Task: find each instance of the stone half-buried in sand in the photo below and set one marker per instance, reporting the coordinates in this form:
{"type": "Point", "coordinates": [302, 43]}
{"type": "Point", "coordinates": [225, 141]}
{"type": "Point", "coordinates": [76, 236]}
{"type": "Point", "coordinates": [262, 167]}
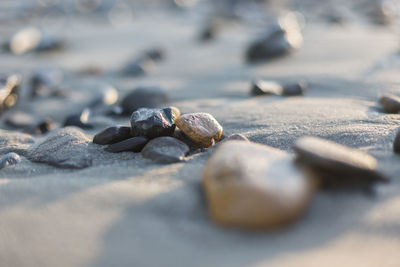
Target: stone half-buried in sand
{"type": "Point", "coordinates": [336, 165]}
{"type": "Point", "coordinates": [254, 186]}
{"type": "Point", "coordinates": [202, 128]}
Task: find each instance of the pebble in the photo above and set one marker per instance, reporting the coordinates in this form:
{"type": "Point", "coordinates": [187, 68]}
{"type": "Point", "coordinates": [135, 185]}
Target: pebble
{"type": "Point", "coordinates": [390, 103]}
{"type": "Point", "coordinates": [64, 148]}
{"type": "Point", "coordinates": [144, 97]}
{"type": "Point", "coordinates": [112, 135]}
{"type": "Point", "coordinates": [9, 91]}
{"type": "Point", "coordinates": [337, 165]}
{"type": "Point", "coordinates": [261, 87]}
{"type": "Point", "coordinates": [165, 150]}
{"type": "Point", "coordinates": [19, 120]}
{"type": "Point", "coordinates": [155, 54]}
{"type": "Point", "coordinates": [79, 120]}
{"type": "Point", "coordinates": [254, 186]}
{"type": "Point", "coordinates": [9, 160]}
{"type": "Point", "coordinates": [40, 128]}
{"type": "Point", "coordinates": [282, 39]}
{"type": "Point", "coordinates": [202, 128]}
{"type": "Point", "coordinates": [45, 82]}
{"type": "Point", "coordinates": [134, 144]}
{"type": "Point", "coordinates": [108, 96]}
{"type": "Point", "coordinates": [396, 143]}
{"type": "Point", "coordinates": [295, 89]}
{"type": "Point", "coordinates": [137, 67]}
{"type": "Point", "coordinates": [154, 122]}
{"type": "Point", "coordinates": [32, 39]}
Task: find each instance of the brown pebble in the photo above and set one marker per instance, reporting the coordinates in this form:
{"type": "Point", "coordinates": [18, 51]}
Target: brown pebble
{"type": "Point", "coordinates": [390, 103]}
{"type": "Point", "coordinates": [202, 128]}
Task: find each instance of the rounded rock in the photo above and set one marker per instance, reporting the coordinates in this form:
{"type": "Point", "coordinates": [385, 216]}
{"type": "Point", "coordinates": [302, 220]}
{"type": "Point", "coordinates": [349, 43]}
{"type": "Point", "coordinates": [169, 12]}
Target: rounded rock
{"type": "Point", "coordinates": [154, 122]}
{"type": "Point", "coordinates": [144, 97]}
{"type": "Point", "coordinates": [294, 89]}
{"type": "Point", "coordinates": [165, 150]}
{"type": "Point", "coordinates": [254, 186]}
{"type": "Point", "coordinates": [390, 103]}
{"type": "Point", "coordinates": [202, 128]}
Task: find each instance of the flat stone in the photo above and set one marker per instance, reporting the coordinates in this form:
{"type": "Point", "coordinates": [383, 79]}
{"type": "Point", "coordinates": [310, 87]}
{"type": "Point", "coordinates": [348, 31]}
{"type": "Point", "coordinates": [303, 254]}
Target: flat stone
{"type": "Point", "coordinates": [65, 148]}
{"type": "Point", "coordinates": [337, 165]}
{"type": "Point", "coordinates": [390, 103]}
{"type": "Point", "coordinates": [11, 141]}
{"type": "Point", "coordinates": [133, 144]}
{"type": "Point", "coordinates": [282, 39]}
{"type": "Point", "coordinates": [79, 120]}
{"type": "Point", "coordinates": [254, 186]}
{"type": "Point", "coordinates": [9, 160]}
{"type": "Point", "coordinates": [260, 87]}
{"type": "Point", "coordinates": [112, 135]}
{"type": "Point", "coordinates": [165, 150]}
{"type": "Point", "coordinates": [202, 128]}
{"type": "Point", "coordinates": [154, 122]}
{"type": "Point", "coordinates": [144, 97]}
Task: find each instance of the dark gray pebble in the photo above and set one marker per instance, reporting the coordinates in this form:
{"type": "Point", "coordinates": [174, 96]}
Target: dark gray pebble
{"type": "Point", "coordinates": [165, 150]}
{"type": "Point", "coordinates": [294, 89]}
{"type": "Point", "coordinates": [153, 123]}
{"type": "Point", "coordinates": [396, 143]}
{"type": "Point", "coordinates": [134, 144]}
{"type": "Point", "coordinates": [79, 120]}
{"type": "Point", "coordinates": [144, 97]}
{"type": "Point", "coordinates": [112, 135]}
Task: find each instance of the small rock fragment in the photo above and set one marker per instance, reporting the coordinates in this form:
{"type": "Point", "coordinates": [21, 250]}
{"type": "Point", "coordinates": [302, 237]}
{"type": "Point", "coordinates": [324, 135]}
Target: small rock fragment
{"type": "Point", "coordinates": [282, 39]}
{"type": "Point", "coordinates": [254, 186]}
{"type": "Point", "coordinates": [144, 97]}
{"type": "Point", "coordinates": [79, 120]}
{"type": "Point", "coordinates": [112, 135]}
{"type": "Point", "coordinates": [337, 165]}
{"type": "Point", "coordinates": [396, 143]}
{"type": "Point", "coordinates": [390, 103]}
{"type": "Point", "coordinates": [165, 150]}
{"type": "Point", "coordinates": [9, 160]}
{"type": "Point", "coordinates": [294, 89]}
{"type": "Point", "coordinates": [261, 87]}
{"type": "Point", "coordinates": [133, 144]}
{"type": "Point", "coordinates": [154, 122]}
{"type": "Point", "coordinates": [202, 128]}
{"type": "Point", "coordinates": [9, 91]}
{"type": "Point", "coordinates": [65, 148]}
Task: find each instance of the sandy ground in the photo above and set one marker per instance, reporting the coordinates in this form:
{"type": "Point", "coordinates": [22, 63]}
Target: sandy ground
{"type": "Point", "coordinates": [127, 211]}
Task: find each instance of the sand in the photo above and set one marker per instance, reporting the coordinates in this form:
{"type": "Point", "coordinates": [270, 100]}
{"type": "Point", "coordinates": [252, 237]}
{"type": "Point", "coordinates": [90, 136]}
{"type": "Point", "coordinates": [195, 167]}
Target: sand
{"type": "Point", "coordinates": [128, 211]}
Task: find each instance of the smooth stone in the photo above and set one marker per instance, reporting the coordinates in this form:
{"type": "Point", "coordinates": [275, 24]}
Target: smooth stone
{"type": "Point", "coordinates": [202, 128]}
{"type": "Point", "coordinates": [79, 120]}
{"type": "Point", "coordinates": [41, 127]}
{"type": "Point", "coordinates": [155, 54]}
{"type": "Point", "coordinates": [282, 39]}
{"type": "Point", "coordinates": [9, 160]}
{"type": "Point", "coordinates": [178, 134]}
{"type": "Point", "coordinates": [261, 87]}
{"type": "Point", "coordinates": [337, 165]}
{"type": "Point", "coordinates": [108, 96]}
{"type": "Point", "coordinates": [254, 186]}
{"type": "Point", "coordinates": [396, 143]}
{"type": "Point", "coordinates": [9, 91]}
{"type": "Point", "coordinates": [165, 150]}
{"type": "Point", "coordinates": [209, 32]}
{"type": "Point", "coordinates": [112, 135]}
{"type": "Point", "coordinates": [294, 89]}
{"type": "Point", "coordinates": [45, 82]}
{"type": "Point", "coordinates": [32, 39]}
{"type": "Point", "coordinates": [137, 67]}
{"type": "Point", "coordinates": [390, 103]}
{"type": "Point", "coordinates": [64, 148]}
{"type": "Point", "coordinates": [144, 97]}
{"type": "Point", "coordinates": [19, 120]}
{"type": "Point", "coordinates": [154, 122]}
{"type": "Point", "coordinates": [134, 144]}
